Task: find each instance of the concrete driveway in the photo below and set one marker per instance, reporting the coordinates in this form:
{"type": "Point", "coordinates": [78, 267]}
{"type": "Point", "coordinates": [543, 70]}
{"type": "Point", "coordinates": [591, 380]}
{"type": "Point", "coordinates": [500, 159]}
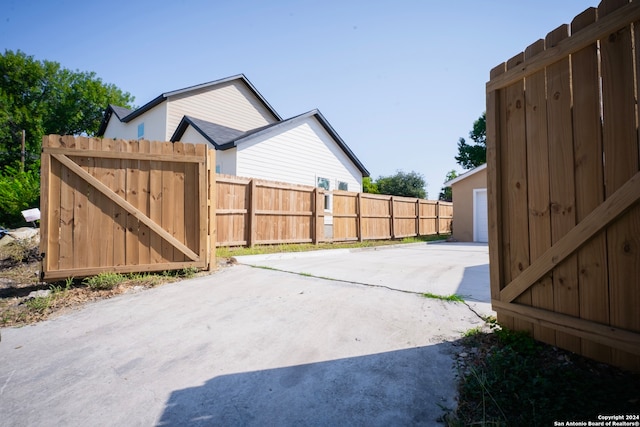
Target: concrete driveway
{"type": "Point", "coordinates": [437, 268]}
{"type": "Point", "coordinates": [247, 346]}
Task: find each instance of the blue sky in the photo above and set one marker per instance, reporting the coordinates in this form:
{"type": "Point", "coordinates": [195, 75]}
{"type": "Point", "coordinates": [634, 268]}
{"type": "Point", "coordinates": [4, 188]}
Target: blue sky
{"type": "Point", "coordinates": [400, 81]}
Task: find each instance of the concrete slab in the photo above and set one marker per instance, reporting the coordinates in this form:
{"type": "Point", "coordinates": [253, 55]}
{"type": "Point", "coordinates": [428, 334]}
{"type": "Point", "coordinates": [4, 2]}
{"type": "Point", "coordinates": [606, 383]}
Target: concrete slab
{"type": "Point", "coordinates": [437, 268]}
{"type": "Point", "coordinates": [244, 346]}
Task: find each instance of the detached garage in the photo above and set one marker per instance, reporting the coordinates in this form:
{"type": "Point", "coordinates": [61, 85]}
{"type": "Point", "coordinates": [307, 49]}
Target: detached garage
{"type": "Point", "coordinates": [470, 217]}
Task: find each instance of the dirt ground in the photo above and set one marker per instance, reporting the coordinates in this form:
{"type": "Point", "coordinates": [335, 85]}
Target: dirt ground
{"type": "Point", "coordinates": [25, 299]}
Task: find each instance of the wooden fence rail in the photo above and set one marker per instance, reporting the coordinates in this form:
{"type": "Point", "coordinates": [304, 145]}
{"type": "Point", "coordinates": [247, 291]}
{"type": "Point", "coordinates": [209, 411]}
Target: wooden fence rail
{"type": "Point", "coordinates": [564, 185]}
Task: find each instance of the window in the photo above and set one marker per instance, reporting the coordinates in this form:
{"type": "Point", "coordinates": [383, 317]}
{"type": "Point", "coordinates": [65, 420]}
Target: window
{"type": "Point", "coordinates": [218, 168]}
{"type": "Point", "coordinates": [323, 183]}
{"type": "Point", "coordinates": [327, 202]}
{"type": "Point", "coordinates": [343, 186]}
{"type": "Point", "coordinates": [141, 131]}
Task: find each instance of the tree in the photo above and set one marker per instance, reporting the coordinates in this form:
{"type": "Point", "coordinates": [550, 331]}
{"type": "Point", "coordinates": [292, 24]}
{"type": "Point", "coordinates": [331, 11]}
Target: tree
{"type": "Point", "coordinates": [473, 155]}
{"type": "Point", "coordinates": [410, 184]}
{"type": "Point", "coordinates": [445, 193]}
{"type": "Point", "coordinates": [43, 98]}
{"type": "Point", "coordinates": [369, 186]}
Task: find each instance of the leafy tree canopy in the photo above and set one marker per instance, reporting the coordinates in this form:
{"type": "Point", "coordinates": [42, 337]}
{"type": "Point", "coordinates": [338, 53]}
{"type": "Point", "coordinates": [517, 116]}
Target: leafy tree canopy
{"type": "Point", "coordinates": [445, 194]}
{"type": "Point", "coordinates": [411, 184]}
{"type": "Point", "coordinates": [41, 98]}
{"type": "Point", "coordinates": [369, 186]}
{"type": "Point", "coordinates": [473, 155]}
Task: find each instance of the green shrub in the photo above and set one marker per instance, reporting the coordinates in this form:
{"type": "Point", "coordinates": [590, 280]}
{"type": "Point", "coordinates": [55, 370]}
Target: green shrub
{"type": "Point", "coordinates": [19, 190]}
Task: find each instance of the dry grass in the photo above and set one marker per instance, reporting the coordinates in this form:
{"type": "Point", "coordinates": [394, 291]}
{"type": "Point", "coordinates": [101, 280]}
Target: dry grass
{"type": "Point", "coordinates": [19, 281]}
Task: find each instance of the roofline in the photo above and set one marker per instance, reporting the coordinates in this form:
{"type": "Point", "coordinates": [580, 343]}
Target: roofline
{"type": "Point", "coordinates": [182, 127]}
{"type": "Point", "coordinates": [163, 97]}
{"type": "Point", "coordinates": [325, 124]}
{"type": "Point", "coordinates": [465, 175]}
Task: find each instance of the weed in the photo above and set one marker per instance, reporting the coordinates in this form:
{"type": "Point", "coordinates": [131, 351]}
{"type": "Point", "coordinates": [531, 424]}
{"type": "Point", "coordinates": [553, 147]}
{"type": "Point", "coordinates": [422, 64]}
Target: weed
{"type": "Point", "coordinates": [104, 281]}
{"type": "Point", "coordinates": [39, 304]}
{"type": "Point", "coordinates": [473, 332]}
{"type": "Point", "coordinates": [515, 380]}
{"type": "Point", "coordinates": [449, 298]}
{"type": "Point", "coordinates": [189, 272]}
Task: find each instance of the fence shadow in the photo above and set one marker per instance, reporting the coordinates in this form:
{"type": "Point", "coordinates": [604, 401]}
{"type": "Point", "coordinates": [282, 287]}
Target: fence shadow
{"type": "Point", "coordinates": [475, 285]}
{"type": "Point", "coordinates": [404, 387]}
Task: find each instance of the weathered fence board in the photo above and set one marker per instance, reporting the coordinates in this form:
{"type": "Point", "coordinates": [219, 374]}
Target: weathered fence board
{"type": "Point", "coordinates": [564, 185]}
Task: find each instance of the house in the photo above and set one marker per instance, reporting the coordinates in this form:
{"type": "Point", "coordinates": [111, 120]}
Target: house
{"type": "Point", "coordinates": [470, 217]}
{"type": "Point", "coordinates": [250, 137]}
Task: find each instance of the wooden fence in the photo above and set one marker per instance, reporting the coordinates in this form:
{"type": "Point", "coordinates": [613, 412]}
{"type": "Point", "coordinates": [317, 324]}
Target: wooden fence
{"type": "Point", "coordinates": [125, 206]}
{"type": "Point", "coordinates": [363, 216]}
{"type": "Point", "coordinates": [251, 212]}
{"type": "Point", "coordinates": [129, 206]}
{"type": "Point", "coordinates": [564, 184]}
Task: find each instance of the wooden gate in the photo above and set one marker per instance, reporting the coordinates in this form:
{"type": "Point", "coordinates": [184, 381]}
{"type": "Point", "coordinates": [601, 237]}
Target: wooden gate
{"type": "Point", "coordinates": [122, 206]}
{"type": "Point", "coordinates": [564, 185]}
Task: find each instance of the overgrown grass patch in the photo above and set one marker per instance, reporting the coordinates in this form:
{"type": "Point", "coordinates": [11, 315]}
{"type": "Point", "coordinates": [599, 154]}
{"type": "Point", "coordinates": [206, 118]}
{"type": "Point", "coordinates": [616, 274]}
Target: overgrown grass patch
{"type": "Point", "coordinates": [104, 281]}
{"type": "Point", "coordinates": [508, 379]}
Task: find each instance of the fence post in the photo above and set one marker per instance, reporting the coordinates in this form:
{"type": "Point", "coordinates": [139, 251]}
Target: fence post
{"type": "Point", "coordinates": [319, 214]}
{"type": "Point", "coordinates": [438, 217]}
{"type": "Point", "coordinates": [418, 217]}
{"type": "Point", "coordinates": [314, 217]}
{"type": "Point", "coordinates": [359, 217]}
{"type": "Point", "coordinates": [212, 225]}
{"type": "Point", "coordinates": [251, 213]}
{"type": "Point", "coordinates": [391, 230]}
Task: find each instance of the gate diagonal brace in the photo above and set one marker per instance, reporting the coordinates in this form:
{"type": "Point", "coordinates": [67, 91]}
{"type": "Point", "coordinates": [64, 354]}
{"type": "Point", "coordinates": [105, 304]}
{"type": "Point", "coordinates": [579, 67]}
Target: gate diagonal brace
{"type": "Point", "coordinates": [125, 205]}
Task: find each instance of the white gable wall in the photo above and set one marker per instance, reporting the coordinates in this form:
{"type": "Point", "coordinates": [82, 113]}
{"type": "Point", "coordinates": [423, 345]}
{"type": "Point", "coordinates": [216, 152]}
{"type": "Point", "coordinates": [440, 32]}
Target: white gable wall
{"type": "Point", "coordinates": [230, 104]}
{"type": "Point", "coordinates": [225, 160]}
{"type": "Point", "coordinates": [154, 126]}
{"type": "Point", "coordinates": [298, 155]}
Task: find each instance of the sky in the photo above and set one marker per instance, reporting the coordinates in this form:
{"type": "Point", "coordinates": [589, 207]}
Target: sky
{"type": "Point", "coordinates": [400, 81]}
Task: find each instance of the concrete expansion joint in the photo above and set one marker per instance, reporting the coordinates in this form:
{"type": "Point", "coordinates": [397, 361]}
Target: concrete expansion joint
{"type": "Point", "coordinates": [370, 285]}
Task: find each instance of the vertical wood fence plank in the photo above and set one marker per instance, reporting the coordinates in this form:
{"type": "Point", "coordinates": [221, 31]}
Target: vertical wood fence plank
{"type": "Point", "coordinates": [120, 215]}
{"type": "Point", "coordinates": [251, 214]}
{"type": "Point", "coordinates": [168, 202]}
{"type": "Point", "coordinates": [45, 178]}
{"type": "Point", "coordinates": [212, 195]}
{"type": "Point", "coordinates": [494, 186]}
{"type": "Point", "coordinates": [51, 168]}
{"type": "Point", "coordinates": [156, 200]}
{"type": "Point", "coordinates": [592, 257]}
{"type": "Point", "coordinates": [178, 190]}
{"type": "Point", "coordinates": [94, 214]}
{"type": "Point", "coordinates": [516, 185]}
{"type": "Point", "coordinates": [132, 195]}
{"type": "Point", "coordinates": [359, 217]}
{"type": "Point", "coordinates": [143, 193]}
{"type": "Point", "coordinates": [80, 209]}
{"type": "Point", "coordinates": [561, 175]}
{"type": "Point", "coordinates": [538, 178]}
{"type": "Point", "coordinates": [68, 181]}
{"type": "Point", "coordinates": [105, 174]}
{"type": "Point", "coordinates": [621, 163]}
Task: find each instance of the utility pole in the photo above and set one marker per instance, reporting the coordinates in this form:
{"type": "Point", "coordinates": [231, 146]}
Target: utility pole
{"type": "Point", "coordinates": [22, 148]}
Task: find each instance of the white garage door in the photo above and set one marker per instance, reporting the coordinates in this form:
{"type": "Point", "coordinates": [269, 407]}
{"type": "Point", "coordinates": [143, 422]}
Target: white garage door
{"type": "Point", "coordinates": [480, 216]}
